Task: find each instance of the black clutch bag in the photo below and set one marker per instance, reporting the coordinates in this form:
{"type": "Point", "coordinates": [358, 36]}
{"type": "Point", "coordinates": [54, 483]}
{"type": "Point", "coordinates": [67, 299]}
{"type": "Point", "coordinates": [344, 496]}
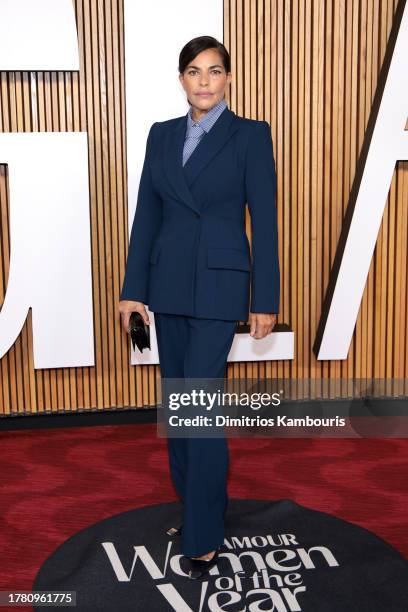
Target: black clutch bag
{"type": "Point", "coordinates": [139, 332]}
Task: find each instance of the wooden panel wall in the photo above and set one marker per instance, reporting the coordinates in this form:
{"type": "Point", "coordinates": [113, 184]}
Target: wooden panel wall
{"type": "Point", "coordinates": [311, 70]}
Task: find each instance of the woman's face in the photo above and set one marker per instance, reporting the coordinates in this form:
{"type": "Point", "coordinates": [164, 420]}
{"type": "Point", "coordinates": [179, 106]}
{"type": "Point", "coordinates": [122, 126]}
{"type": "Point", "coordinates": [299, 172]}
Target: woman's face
{"type": "Point", "coordinates": [205, 80]}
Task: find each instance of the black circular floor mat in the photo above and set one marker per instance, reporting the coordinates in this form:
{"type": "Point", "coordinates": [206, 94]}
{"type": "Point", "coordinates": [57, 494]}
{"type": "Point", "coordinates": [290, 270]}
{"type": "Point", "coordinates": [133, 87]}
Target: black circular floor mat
{"type": "Point", "coordinates": [277, 556]}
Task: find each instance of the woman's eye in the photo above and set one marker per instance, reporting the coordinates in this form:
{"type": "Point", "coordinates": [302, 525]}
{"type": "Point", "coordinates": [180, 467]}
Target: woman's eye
{"type": "Point", "coordinates": [193, 72]}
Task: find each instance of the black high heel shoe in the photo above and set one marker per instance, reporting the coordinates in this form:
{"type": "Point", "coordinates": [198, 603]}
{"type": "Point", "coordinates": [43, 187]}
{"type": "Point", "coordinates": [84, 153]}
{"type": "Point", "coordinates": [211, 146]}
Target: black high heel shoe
{"type": "Point", "coordinates": [174, 531]}
{"type": "Point", "coordinates": [200, 567]}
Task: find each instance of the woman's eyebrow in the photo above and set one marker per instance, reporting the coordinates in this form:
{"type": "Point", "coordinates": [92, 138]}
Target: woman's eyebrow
{"type": "Point", "coordinates": [214, 66]}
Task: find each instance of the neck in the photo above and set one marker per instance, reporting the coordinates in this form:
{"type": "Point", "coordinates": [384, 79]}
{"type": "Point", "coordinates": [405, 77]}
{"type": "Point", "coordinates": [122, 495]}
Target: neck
{"type": "Point", "coordinates": [198, 113]}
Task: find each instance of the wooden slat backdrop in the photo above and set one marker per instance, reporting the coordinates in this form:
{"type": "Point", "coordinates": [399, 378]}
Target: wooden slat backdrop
{"type": "Point", "coordinates": [310, 69]}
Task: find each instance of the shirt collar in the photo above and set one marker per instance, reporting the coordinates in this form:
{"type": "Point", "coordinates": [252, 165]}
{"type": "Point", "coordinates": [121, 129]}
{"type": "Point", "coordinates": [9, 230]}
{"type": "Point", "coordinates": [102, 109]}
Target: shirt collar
{"type": "Point", "coordinates": [210, 117]}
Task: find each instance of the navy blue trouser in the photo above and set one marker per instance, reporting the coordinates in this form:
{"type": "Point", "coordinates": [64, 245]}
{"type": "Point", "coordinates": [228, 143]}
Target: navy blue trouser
{"type": "Point", "coordinates": [191, 347]}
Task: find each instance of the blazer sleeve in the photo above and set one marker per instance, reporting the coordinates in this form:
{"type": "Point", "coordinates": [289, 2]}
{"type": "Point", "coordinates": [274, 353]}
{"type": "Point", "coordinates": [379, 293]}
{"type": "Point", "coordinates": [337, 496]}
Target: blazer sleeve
{"type": "Point", "coordinates": [260, 185]}
{"type": "Point", "coordinates": [146, 224]}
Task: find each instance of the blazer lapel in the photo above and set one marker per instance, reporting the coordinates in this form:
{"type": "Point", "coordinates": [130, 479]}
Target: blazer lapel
{"type": "Point", "coordinates": [182, 178]}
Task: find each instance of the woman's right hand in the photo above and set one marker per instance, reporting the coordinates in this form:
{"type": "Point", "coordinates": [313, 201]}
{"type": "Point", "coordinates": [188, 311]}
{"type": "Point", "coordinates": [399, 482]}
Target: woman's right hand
{"type": "Point", "coordinates": [126, 307]}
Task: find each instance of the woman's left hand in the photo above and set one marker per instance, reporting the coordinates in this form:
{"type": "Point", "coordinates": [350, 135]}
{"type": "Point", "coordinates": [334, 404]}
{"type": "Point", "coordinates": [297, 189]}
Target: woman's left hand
{"type": "Point", "coordinates": [261, 324]}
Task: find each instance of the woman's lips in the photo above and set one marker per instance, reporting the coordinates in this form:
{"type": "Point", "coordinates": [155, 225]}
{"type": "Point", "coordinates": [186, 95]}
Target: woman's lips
{"type": "Point", "coordinates": [204, 95]}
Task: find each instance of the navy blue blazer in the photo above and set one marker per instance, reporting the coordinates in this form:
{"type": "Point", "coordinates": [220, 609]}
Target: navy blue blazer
{"type": "Point", "coordinates": [189, 253]}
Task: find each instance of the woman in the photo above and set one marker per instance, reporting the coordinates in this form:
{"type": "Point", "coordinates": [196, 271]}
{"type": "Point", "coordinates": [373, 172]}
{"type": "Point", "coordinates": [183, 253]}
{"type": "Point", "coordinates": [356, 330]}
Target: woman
{"type": "Point", "coordinates": [189, 260]}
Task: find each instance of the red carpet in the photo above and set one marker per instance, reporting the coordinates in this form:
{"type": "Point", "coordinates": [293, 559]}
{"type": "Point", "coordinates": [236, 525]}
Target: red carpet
{"type": "Point", "coordinates": [58, 481]}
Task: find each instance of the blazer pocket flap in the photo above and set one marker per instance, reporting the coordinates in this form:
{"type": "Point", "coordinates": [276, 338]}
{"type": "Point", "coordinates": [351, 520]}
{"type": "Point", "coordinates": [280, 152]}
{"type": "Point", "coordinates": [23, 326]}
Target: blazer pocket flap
{"type": "Point", "coordinates": [233, 259]}
{"type": "Point", "coordinates": [154, 253]}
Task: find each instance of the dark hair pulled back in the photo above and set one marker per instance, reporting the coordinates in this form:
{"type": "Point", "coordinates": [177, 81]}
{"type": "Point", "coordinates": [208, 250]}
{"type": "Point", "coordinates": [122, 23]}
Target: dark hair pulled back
{"type": "Point", "coordinates": [201, 43]}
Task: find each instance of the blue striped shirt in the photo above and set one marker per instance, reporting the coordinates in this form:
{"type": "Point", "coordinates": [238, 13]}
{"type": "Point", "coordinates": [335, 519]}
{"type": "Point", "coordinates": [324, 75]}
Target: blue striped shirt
{"type": "Point", "coordinates": [196, 129]}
